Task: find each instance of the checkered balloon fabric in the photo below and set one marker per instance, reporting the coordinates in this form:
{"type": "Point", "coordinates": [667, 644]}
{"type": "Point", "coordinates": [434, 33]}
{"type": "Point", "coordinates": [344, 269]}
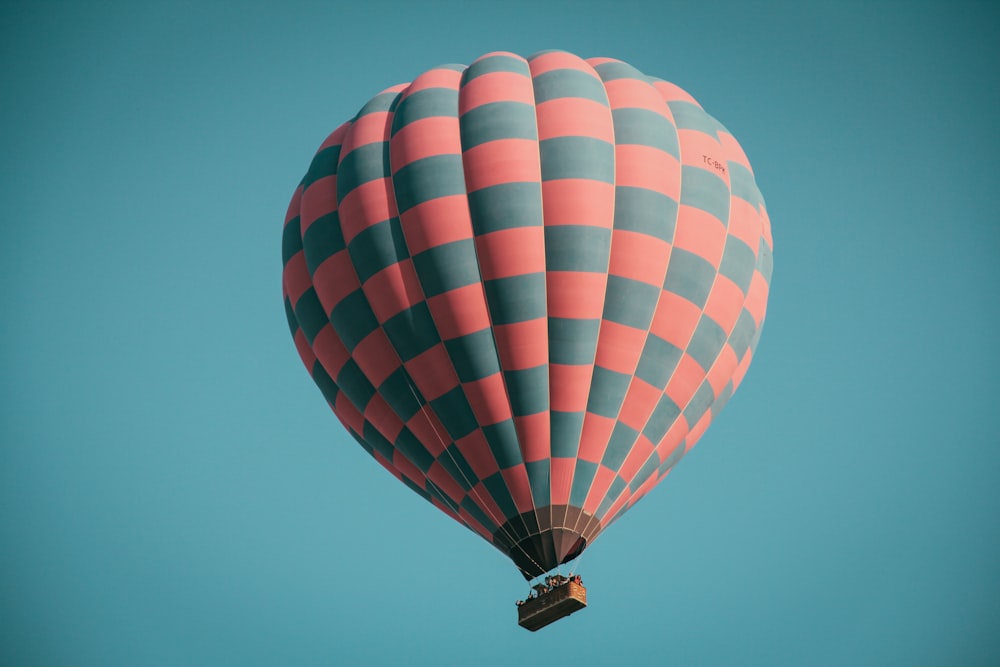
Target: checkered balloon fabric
{"type": "Point", "coordinates": [526, 287]}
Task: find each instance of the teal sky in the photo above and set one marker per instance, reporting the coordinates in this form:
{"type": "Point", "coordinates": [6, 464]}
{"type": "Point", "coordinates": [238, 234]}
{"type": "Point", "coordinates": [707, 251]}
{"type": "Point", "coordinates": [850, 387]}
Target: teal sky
{"type": "Point", "coordinates": [174, 491]}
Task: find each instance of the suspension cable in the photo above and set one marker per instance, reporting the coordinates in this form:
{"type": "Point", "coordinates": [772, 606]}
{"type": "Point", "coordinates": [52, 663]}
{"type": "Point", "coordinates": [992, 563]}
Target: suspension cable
{"type": "Point", "coordinates": [472, 489]}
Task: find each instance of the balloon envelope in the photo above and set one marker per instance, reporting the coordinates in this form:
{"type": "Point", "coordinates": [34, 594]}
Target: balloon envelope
{"type": "Point", "coordinates": [526, 287]}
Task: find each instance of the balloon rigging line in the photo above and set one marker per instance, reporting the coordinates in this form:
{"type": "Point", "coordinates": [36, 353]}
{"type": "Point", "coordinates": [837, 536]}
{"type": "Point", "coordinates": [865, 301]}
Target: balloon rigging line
{"type": "Point", "coordinates": [484, 506]}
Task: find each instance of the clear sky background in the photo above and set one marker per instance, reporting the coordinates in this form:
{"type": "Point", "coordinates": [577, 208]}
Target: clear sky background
{"type": "Point", "coordinates": [174, 491]}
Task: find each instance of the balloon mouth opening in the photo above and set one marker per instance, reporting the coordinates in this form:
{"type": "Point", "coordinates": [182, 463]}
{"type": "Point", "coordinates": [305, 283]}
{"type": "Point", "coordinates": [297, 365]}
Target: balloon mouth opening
{"type": "Point", "coordinates": [530, 554]}
{"type": "Point", "coordinates": [541, 540]}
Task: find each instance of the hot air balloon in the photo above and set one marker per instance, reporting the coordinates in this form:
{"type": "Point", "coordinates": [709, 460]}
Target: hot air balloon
{"type": "Point", "coordinates": [526, 287]}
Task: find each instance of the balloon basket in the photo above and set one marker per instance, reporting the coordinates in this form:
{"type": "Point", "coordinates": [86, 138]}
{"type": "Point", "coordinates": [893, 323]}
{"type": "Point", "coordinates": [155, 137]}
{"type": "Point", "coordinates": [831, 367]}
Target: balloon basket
{"type": "Point", "coordinates": [535, 613]}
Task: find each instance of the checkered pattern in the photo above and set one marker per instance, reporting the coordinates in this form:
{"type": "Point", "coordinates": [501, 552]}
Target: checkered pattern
{"type": "Point", "coordinates": [526, 287]}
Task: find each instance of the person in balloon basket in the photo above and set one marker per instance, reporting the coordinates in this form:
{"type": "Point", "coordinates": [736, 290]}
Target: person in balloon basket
{"type": "Point", "coordinates": [551, 583]}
